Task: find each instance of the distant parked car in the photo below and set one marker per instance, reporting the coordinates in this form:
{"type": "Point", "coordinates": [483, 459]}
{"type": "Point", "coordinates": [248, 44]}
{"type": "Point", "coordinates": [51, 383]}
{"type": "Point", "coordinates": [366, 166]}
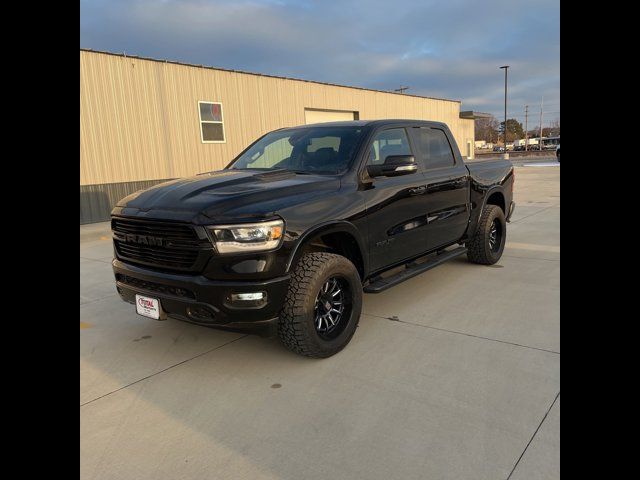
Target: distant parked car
{"type": "Point", "coordinates": [498, 149]}
{"type": "Point", "coordinates": [558, 153]}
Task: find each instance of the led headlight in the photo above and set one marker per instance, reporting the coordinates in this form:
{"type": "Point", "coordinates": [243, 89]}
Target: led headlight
{"type": "Point", "coordinates": [248, 237]}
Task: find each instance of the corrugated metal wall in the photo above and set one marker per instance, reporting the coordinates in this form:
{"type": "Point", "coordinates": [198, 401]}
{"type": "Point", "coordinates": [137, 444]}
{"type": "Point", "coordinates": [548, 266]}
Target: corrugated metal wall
{"type": "Point", "coordinates": [139, 118]}
{"type": "Point", "coordinates": [97, 201]}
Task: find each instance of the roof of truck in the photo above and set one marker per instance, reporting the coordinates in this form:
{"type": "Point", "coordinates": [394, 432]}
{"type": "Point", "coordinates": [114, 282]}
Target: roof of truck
{"type": "Point", "coordinates": [363, 123]}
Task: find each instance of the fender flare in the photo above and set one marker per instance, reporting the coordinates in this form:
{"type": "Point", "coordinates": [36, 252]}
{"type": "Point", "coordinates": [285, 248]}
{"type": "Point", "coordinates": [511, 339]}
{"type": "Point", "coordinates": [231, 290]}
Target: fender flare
{"type": "Point", "coordinates": [491, 191]}
{"type": "Point", "coordinates": [475, 217]}
{"type": "Point", "coordinates": [332, 226]}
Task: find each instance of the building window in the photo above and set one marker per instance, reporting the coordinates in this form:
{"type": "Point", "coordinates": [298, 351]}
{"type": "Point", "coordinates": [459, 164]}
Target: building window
{"type": "Point", "coordinates": [211, 122]}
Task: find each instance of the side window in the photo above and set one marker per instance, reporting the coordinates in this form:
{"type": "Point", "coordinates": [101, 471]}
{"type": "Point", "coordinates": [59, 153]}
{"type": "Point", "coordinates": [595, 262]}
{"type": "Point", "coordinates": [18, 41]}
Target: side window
{"type": "Point", "coordinates": [435, 151]}
{"type": "Point", "coordinates": [389, 142]}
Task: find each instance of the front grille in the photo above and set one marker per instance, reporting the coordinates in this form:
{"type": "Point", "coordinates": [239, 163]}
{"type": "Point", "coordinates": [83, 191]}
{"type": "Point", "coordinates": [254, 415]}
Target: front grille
{"type": "Point", "coordinates": [155, 287]}
{"type": "Point", "coordinates": [163, 245]}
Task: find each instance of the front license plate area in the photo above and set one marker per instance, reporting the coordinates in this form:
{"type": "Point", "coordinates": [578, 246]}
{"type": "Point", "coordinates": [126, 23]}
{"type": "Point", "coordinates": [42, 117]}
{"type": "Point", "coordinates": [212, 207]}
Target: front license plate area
{"type": "Point", "coordinates": [148, 307]}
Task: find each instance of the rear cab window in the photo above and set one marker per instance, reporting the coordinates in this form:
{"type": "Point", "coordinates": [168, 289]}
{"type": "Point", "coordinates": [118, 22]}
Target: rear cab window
{"type": "Point", "coordinates": [434, 148]}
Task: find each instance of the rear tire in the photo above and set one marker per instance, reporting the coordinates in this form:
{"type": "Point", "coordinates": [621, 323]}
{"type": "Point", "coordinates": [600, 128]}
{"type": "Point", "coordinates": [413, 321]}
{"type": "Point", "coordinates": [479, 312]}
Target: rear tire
{"type": "Point", "coordinates": [487, 244]}
{"type": "Point", "coordinates": [304, 326]}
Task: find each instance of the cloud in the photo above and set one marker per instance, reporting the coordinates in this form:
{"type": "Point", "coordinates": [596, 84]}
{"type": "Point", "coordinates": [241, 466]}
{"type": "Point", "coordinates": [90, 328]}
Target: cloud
{"type": "Point", "coordinates": [446, 49]}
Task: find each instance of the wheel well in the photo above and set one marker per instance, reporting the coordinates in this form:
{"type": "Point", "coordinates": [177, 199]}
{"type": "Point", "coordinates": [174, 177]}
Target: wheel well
{"type": "Point", "coordinates": [340, 243]}
{"type": "Point", "coordinates": [497, 198]}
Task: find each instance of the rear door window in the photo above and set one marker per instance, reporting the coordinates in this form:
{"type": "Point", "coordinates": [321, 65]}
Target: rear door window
{"type": "Point", "coordinates": [435, 150]}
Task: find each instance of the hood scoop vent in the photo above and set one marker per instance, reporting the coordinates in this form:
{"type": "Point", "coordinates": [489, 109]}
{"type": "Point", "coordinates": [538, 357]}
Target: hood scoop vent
{"type": "Point", "coordinates": [274, 175]}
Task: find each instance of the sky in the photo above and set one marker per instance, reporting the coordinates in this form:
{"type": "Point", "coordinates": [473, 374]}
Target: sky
{"type": "Point", "coordinates": [440, 48]}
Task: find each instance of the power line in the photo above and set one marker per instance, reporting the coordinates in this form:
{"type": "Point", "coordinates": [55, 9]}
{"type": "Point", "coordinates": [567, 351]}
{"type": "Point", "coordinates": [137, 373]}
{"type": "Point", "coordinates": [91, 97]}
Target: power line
{"type": "Point", "coordinates": [520, 115]}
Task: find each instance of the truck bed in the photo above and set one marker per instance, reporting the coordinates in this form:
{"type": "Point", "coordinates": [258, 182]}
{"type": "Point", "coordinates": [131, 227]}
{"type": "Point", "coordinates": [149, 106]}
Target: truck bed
{"type": "Point", "coordinates": [489, 172]}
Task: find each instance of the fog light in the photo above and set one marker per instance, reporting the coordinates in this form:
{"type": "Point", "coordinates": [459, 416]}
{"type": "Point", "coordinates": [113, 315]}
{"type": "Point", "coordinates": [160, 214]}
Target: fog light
{"type": "Point", "coordinates": [248, 299]}
{"type": "Point", "coordinates": [244, 297]}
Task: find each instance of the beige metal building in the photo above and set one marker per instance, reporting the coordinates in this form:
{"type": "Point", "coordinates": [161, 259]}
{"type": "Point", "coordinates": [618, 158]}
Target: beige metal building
{"type": "Point", "coordinates": [143, 121]}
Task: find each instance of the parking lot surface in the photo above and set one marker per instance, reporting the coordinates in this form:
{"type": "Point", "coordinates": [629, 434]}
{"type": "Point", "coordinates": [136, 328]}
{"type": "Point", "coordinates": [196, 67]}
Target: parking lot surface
{"type": "Point", "coordinates": [454, 374]}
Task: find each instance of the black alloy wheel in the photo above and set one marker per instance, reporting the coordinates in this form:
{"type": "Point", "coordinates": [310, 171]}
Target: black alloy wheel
{"type": "Point", "coordinates": [332, 304]}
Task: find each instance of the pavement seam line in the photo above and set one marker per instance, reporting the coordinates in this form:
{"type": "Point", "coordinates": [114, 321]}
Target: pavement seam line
{"type": "Point", "coordinates": [164, 370]}
{"type": "Point", "coordinates": [532, 214]}
{"type": "Point", "coordinates": [533, 436]}
{"type": "Point", "coordinates": [531, 258]}
{"type": "Point", "coordinates": [94, 260]}
{"type": "Point", "coordinates": [98, 299]}
{"type": "Point", "coordinates": [465, 334]}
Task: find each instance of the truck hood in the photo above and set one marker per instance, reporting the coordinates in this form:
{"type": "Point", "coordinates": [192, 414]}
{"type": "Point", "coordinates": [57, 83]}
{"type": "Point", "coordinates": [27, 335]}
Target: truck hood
{"type": "Point", "coordinates": [227, 195]}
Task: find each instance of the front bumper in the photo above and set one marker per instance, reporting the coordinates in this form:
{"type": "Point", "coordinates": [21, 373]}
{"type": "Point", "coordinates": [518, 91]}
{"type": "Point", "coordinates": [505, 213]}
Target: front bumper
{"type": "Point", "coordinates": [512, 207]}
{"type": "Point", "coordinates": [196, 299]}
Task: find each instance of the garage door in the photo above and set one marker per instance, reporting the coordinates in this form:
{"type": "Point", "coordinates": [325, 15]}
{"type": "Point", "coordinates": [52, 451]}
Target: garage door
{"type": "Point", "coordinates": [321, 116]}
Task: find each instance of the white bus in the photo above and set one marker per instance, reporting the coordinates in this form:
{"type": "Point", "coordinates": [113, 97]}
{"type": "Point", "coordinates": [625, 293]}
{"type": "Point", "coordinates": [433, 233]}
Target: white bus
{"type": "Point", "coordinates": [550, 143]}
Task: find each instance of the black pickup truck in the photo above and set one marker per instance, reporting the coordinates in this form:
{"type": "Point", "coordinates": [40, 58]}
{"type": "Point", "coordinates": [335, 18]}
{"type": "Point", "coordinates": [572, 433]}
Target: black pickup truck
{"type": "Point", "coordinates": [286, 238]}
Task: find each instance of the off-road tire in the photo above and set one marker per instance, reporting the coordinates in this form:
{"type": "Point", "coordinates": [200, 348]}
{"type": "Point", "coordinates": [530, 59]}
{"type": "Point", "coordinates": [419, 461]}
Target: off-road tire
{"type": "Point", "coordinates": [478, 247]}
{"type": "Point", "coordinates": [296, 325]}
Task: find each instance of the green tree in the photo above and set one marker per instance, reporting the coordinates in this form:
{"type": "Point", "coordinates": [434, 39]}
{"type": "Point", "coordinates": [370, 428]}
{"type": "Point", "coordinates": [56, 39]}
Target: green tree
{"type": "Point", "coordinates": [514, 129]}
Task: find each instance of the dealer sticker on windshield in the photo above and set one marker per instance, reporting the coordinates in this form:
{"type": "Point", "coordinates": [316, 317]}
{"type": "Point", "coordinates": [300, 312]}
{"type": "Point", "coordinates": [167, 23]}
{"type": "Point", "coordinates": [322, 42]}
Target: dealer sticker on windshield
{"type": "Point", "coordinates": [148, 307]}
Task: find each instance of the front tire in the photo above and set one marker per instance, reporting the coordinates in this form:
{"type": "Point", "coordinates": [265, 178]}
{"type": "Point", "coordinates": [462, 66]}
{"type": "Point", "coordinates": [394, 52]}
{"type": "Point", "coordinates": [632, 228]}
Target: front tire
{"type": "Point", "coordinates": [487, 244]}
{"type": "Point", "coordinates": [322, 307]}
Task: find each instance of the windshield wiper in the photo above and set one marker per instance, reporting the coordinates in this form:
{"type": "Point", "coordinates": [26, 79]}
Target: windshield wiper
{"type": "Point", "coordinates": [301, 172]}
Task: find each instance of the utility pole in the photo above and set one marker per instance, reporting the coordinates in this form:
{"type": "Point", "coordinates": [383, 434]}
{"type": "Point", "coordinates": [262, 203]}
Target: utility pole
{"type": "Point", "coordinates": [526, 128]}
{"type": "Point", "coordinates": [506, 68]}
{"type": "Point", "coordinates": [541, 105]}
{"type": "Point", "coordinates": [401, 89]}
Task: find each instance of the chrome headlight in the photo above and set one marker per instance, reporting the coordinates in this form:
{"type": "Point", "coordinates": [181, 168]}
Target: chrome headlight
{"type": "Point", "coordinates": [247, 237]}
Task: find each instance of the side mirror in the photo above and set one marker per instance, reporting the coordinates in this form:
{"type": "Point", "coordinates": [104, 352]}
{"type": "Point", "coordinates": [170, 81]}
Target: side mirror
{"type": "Point", "coordinates": [394, 166]}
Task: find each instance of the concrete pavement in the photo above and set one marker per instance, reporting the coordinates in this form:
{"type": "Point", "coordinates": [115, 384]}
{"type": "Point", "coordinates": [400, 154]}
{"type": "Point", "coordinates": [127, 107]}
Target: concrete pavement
{"type": "Point", "coordinates": [453, 374]}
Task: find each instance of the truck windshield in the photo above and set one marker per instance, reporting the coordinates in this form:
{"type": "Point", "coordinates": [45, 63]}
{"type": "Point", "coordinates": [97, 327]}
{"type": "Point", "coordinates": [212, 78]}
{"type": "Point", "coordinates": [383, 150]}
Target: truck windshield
{"type": "Point", "coordinates": [322, 150]}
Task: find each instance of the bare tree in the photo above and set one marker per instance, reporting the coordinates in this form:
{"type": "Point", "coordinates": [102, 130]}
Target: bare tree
{"type": "Point", "coordinates": [554, 130]}
{"type": "Point", "coordinates": [487, 129]}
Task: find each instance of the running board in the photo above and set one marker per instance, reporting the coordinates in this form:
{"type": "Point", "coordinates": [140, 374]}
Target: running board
{"type": "Point", "coordinates": [412, 270]}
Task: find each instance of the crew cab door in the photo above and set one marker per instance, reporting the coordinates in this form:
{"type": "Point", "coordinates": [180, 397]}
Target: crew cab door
{"type": "Point", "coordinates": [395, 205]}
{"type": "Point", "coordinates": [447, 185]}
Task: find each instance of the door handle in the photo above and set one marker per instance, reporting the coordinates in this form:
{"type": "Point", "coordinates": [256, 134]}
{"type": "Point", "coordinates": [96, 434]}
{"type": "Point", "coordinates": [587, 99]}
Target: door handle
{"type": "Point", "coordinates": [448, 184]}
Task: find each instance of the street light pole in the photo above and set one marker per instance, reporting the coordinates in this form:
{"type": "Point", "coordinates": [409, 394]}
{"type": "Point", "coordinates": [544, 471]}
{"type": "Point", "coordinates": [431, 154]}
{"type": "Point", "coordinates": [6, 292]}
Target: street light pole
{"type": "Point", "coordinates": [541, 105]}
{"type": "Point", "coordinates": [506, 68]}
{"type": "Point", "coordinates": [526, 128]}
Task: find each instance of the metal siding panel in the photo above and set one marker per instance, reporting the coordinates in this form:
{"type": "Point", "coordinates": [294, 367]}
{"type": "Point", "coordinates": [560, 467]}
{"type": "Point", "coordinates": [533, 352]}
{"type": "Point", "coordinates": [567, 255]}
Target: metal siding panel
{"type": "Point", "coordinates": [319, 116]}
{"type": "Point", "coordinates": [97, 201]}
{"type": "Point", "coordinates": [139, 118]}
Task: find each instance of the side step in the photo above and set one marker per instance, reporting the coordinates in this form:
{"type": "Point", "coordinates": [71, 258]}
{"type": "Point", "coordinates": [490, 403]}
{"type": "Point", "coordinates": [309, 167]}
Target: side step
{"type": "Point", "coordinates": [412, 270]}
